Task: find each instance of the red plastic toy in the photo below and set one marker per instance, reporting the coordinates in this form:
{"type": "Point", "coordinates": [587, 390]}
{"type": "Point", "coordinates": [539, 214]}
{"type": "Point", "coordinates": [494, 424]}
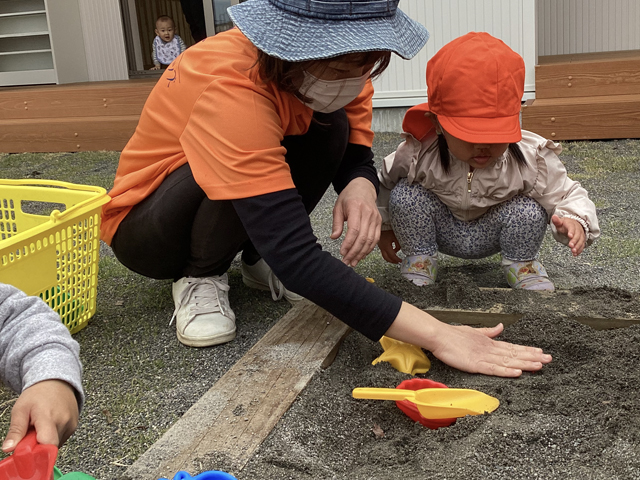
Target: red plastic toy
{"type": "Point", "coordinates": [30, 460]}
{"type": "Point", "coordinates": [410, 409]}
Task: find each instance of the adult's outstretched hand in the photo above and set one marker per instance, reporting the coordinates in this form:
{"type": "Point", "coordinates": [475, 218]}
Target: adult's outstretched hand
{"type": "Point", "coordinates": [472, 350]}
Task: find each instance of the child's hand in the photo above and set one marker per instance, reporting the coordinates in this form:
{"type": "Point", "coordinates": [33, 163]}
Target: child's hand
{"type": "Point", "coordinates": [573, 231]}
{"type": "Point", "coordinates": [51, 407]}
{"type": "Point", "coordinates": [155, 67]}
{"type": "Point", "coordinates": [389, 246]}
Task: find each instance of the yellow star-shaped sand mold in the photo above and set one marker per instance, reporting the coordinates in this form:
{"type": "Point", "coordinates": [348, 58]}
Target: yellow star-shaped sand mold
{"type": "Point", "coordinates": [404, 357]}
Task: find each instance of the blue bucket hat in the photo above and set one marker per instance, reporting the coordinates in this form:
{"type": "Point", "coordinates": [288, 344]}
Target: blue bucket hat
{"type": "Point", "coordinates": [298, 30]}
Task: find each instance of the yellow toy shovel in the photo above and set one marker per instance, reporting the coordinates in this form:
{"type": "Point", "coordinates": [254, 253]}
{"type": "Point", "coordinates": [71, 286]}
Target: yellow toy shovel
{"type": "Point", "coordinates": [436, 403]}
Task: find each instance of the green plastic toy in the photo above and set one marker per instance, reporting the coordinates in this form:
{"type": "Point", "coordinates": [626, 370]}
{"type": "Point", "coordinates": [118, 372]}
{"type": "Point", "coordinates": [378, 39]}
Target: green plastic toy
{"type": "Point", "coordinates": [57, 474]}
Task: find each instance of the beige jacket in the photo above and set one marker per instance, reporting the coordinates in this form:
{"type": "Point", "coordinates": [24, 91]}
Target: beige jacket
{"type": "Point", "coordinates": [469, 193]}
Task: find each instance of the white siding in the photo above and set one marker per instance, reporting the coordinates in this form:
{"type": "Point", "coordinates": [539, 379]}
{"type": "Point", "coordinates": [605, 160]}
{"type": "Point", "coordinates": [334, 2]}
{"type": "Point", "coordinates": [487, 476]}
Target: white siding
{"type": "Point", "coordinates": [584, 26]}
{"type": "Point", "coordinates": [103, 40]}
{"type": "Point", "coordinates": [513, 21]}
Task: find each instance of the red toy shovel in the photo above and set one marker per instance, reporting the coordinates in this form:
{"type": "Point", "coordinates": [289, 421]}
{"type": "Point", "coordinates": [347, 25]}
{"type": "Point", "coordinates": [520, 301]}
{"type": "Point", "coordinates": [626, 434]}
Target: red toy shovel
{"type": "Point", "coordinates": [30, 460]}
{"type": "Point", "coordinates": [411, 410]}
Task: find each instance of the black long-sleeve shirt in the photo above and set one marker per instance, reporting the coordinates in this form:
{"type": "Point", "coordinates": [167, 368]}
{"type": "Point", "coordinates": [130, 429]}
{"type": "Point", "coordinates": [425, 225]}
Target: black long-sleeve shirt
{"type": "Point", "coordinates": [281, 231]}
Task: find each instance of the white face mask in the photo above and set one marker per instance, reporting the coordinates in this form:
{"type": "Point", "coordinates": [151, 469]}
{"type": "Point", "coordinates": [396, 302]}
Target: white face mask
{"type": "Point", "coordinates": [330, 95]}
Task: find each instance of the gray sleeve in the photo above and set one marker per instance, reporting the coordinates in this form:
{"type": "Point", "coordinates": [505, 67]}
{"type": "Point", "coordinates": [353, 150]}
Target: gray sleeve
{"type": "Point", "coordinates": [154, 57]}
{"type": "Point", "coordinates": [35, 345]}
{"type": "Point", "coordinates": [181, 43]}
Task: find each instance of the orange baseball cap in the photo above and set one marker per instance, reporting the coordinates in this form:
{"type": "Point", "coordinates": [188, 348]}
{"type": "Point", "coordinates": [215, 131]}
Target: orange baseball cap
{"type": "Point", "coordinates": [475, 85]}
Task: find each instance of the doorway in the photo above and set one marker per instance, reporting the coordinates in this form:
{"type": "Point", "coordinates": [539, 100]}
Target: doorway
{"type": "Point", "coordinates": [139, 17]}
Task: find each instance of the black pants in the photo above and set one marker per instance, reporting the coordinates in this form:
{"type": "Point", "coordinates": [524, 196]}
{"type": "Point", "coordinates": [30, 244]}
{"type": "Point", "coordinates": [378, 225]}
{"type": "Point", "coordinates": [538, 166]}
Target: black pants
{"type": "Point", "coordinates": [194, 15]}
{"type": "Point", "coordinates": [178, 232]}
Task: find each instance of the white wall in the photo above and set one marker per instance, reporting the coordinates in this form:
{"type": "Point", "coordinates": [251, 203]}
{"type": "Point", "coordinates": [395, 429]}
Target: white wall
{"type": "Point", "coordinates": [581, 26]}
{"type": "Point", "coordinates": [103, 40]}
{"type": "Point", "coordinates": [513, 21]}
{"type": "Point", "coordinates": [65, 31]}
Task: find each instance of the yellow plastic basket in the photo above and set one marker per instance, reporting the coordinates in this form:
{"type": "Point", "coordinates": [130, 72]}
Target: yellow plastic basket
{"type": "Point", "coordinates": [50, 244]}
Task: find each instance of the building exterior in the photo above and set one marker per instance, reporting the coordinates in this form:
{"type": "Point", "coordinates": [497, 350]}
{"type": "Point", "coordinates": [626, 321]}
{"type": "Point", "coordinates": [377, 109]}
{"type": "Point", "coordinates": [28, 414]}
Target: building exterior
{"type": "Point", "coordinates": [68, 41]}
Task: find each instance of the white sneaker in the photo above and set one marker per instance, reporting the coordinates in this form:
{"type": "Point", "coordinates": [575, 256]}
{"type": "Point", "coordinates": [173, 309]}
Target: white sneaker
{"type": "Point", "coordinates": [203, 315]}
{"type": "Point", "coordinates": [261, 276]}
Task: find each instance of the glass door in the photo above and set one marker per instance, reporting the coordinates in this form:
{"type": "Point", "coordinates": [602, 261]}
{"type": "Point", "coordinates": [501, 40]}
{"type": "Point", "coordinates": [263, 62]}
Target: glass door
{"type": "Point", "coordinates": [216, 16]}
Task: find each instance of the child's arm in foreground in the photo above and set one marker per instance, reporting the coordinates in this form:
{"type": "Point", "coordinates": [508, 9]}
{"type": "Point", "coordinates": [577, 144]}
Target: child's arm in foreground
{"type": "Point", "coordinates": [38, 358]}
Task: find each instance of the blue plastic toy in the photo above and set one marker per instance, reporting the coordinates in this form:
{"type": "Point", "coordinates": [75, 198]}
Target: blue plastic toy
{"type": "Point", "coordinates": [209, 475]}
{"type": "Point", "coordinates": [32, 461]}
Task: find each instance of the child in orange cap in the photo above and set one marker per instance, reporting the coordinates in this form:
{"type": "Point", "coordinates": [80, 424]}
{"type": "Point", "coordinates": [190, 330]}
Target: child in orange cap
{"type": "Point", "coordinates": [469, 182]}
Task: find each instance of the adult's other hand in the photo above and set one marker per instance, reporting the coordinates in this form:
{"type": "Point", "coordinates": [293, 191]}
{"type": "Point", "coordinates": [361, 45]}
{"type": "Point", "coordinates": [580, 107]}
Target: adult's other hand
{"type": "Point", "coordinates": [356, 205]}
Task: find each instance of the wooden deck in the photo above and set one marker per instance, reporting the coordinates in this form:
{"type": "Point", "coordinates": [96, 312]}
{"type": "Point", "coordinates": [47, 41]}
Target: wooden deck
{"type": "Point", "coordinates": [73, 117]}
{"type": "Point", "coordinates": [586, 96]}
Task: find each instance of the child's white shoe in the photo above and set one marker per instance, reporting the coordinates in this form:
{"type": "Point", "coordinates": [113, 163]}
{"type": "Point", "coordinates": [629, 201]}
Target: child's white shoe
{"type": "Point", "coordinates": [530, 275]}
{"type": "Point", "coordinates": [203, 315]}
{"type": "Point", "coordinates": [420, 269]}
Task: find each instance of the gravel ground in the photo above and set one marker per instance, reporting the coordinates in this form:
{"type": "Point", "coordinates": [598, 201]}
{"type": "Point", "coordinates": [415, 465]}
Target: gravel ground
{"type": "Point", "coordinates": [578, 418]}
{"type": "Point", "coordinates": [140, 380]}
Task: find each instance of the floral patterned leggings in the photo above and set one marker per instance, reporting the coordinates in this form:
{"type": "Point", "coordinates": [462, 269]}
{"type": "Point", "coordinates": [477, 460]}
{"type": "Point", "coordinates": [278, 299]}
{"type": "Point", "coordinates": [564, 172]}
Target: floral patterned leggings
{"type": "Point", "coordinates": [423, 225]}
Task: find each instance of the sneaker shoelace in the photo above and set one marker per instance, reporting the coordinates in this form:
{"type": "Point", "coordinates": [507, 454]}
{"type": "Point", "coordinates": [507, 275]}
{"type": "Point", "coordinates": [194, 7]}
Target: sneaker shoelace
{"type": "Point", "coordinates": [203, 294]}
{"type": "Point", "coordinates": [276, 287]}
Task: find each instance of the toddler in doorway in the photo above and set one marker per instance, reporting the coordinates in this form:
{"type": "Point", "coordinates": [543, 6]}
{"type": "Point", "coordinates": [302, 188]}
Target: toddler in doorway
{"type": "Point", "coordinates": [167, 45]}
{"type": "Point", "coordinates": [469, 182]}
{"type": "Point", "coordinates": [38, 359]}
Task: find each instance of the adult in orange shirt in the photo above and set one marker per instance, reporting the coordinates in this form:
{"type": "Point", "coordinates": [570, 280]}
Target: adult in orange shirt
{"type": "Point", "coordinates": [263, 119]}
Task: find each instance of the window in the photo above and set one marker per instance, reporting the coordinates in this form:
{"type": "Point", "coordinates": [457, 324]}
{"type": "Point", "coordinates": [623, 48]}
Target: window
{"type": "Point", "coordinates": [221, 18]}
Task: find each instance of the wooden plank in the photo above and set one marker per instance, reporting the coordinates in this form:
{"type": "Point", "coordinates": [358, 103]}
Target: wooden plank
{"type": "Point", "coordinates": [607, 323]}
{"type": "Point", "coordinates": [233, 418]}
{"type": "Point", "coordinates": [491, 319]}
{"type": "Point", "coordinates": [77, 100]}
{"type": "Point", "coordinates": [474, 318]}
{"type": "Point", "coordinates": [598, 101]}
{"type": "Point", "coordinates": [589, 57]}
{"type": "Point", "coordinates": [584, 79]}
{"type": "Point", "coordinates": [66, 134]}
{"type": "Point", "coordinates": [72, 86]}
{"type": "Point", "coordinates": [584, 118]}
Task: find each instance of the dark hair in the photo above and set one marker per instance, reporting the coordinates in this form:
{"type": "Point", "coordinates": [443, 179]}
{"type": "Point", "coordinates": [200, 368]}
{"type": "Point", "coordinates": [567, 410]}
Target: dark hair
{"type": "Point", "coordinates": [287, 76]}
{"type": "Point", "coordinates": [445, 159]}
{"type": "Point", "coordinates": [165, 18]}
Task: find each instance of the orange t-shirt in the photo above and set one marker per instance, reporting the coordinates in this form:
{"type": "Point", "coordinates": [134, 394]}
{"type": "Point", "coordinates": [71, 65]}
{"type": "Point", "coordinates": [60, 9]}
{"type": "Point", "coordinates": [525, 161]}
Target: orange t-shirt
{"type": "Point", "coordinates": [210, 108]}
